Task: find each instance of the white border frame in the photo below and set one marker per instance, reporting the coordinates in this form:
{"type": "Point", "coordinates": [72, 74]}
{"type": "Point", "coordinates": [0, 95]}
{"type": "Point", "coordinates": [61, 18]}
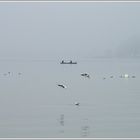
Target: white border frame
{"type": "Point", "coordinates": [70, 138]}
{"type": "Point", "coordinates": [72, 1]}
{"type": "Point", "coordinates": [64, 1]}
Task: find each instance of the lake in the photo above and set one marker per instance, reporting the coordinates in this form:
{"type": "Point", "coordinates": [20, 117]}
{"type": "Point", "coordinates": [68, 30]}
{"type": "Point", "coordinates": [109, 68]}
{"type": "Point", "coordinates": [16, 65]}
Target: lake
{"type": "Point", "coordinates": [32, 105]}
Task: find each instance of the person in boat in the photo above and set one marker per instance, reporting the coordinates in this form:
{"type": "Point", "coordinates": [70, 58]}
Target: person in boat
{"type": "Point", "coordinates": [70, 61]}
{"type": "Point", "coordinates": [62, 61]}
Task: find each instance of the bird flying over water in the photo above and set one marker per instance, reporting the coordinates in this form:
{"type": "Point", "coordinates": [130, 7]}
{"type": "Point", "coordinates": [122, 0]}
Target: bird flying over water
{"type": "Point", "coordinates": [77, 103]}
{"type": "Point", "coordinates": [85, 75]}
{"type": "Point", "coordinates": [63, 86]}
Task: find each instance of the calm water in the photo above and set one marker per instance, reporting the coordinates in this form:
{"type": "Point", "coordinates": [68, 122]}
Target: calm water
{"type": "Point", "coordinates": [32, 105]}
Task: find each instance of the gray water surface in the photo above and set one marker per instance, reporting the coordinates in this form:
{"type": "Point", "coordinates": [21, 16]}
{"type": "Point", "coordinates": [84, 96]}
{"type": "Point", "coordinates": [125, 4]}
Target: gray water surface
{"type": "Point", "coordinates": [32, 105]}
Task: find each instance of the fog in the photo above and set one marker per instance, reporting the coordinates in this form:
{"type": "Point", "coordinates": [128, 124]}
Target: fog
{"type": "Point", "coordinates": [69, 30]}
{"type": "Point", "coordinates": [32, 105]}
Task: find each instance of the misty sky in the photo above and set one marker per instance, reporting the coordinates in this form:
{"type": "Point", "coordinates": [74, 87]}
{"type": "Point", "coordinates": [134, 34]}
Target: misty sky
{"type": "Point", "coordinates": [69, 30]}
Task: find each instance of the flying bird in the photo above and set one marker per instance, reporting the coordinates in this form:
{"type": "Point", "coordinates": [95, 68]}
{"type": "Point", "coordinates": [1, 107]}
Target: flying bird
{"type": "Point", "coordinates": [63, 86]}
{"type": "Point", "coordinates": [85, 75]}
{"type": "Point", "coordinates": [77, 103]}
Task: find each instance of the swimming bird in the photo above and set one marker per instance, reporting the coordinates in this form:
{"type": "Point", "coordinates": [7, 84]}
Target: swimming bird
{"type": "Point", "coordinates": [85, 75]}
{"type": "Point", "coordinates": [63, 86]}
{"type": "Point", "coordinates": [133, 76]}
{"type": "Point", "coordinates": [77, 103]}
{"type": "Point", "coordinates": [124, 76]}
{"type": "Point", "coordinates": [19, 73]}
{"type": "Point", "coordinates": [121, 76]}
{"type": "Point", "coordinates": [5, 74]}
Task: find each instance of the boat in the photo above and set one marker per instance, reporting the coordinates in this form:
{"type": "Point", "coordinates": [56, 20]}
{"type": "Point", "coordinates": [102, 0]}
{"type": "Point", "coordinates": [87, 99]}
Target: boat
{"type": "Point", "coordinates": [70, 62]}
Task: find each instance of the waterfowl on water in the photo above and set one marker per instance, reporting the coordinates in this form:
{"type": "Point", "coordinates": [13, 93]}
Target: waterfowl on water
{"type": "Point", "coordinates": [124, 76]}
{"type": "Point", "coordinates": [133, 76]}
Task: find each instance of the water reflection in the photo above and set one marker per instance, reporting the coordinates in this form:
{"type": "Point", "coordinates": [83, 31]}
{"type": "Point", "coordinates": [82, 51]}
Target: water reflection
{"type": "Point", "coordinates": [85, 128]}
{"type": "Point", "coordinates": [62, 119]}
{"type": "Point", "coordinates": [61, 123]}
